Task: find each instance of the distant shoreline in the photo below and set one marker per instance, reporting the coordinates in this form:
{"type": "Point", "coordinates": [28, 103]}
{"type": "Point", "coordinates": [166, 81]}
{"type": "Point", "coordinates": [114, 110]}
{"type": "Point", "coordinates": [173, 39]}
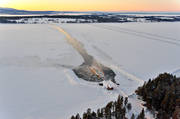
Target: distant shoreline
{"type": "Point", "coordinates": [87, 18]}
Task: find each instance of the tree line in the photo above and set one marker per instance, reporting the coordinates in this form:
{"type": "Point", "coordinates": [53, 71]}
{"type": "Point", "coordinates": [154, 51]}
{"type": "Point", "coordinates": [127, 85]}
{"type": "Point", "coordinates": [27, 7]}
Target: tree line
{"type": "Point", "coordinates": [113, 110]}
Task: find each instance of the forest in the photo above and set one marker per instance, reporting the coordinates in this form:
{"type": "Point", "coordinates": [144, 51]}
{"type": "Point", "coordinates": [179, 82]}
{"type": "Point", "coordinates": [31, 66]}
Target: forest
{"type": "Point", "coordinates": [113, 110]}
{"type": "Point", "coordinates": [162, 94]}
{"type": "Point", "coordinates": [93, 18]}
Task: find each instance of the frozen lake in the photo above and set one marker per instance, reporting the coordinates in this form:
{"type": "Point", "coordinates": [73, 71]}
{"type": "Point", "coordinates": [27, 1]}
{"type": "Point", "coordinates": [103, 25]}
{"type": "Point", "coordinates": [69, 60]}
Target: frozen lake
{"type": "Point", "coordinates": [35, 85]}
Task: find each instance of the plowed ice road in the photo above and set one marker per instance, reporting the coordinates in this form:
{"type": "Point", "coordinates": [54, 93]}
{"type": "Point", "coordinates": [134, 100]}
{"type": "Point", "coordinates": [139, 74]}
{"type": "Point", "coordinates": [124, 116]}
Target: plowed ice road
{"type": "Point", "coordinates": [36, 80]}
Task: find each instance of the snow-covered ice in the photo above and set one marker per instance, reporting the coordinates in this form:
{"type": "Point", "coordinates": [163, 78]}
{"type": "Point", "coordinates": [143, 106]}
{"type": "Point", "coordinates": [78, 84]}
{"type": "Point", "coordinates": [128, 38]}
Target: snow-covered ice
{"type": "Point", "coordinates": [36, 80]}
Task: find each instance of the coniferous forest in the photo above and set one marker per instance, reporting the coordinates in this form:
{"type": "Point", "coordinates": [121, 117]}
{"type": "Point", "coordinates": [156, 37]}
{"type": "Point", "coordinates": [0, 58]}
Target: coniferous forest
{"type": "Point", "coordinates": [113, 110]}
{"type": "Point", "coordinates": [162, 94]}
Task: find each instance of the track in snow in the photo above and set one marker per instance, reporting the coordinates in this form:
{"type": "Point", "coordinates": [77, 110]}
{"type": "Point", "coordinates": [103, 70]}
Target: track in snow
{"type": "Point", "coordinates": [116, 92]}
{"type": "Point", "coordinates": [147, 36]}
{"type": "Point", "coordinates": [79, 47]}
{"type": "Point", "coordinates": [145, 33]}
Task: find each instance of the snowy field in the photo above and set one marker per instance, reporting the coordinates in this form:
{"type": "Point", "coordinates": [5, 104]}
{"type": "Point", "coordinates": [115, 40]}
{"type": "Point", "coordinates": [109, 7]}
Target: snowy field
{"type": "Point", "coordinates": [36, 80]}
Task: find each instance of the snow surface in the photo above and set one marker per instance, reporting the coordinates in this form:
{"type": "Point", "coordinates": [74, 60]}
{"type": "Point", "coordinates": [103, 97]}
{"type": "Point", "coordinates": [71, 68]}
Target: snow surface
{"type": "Point", "coordinates": [36, 80]}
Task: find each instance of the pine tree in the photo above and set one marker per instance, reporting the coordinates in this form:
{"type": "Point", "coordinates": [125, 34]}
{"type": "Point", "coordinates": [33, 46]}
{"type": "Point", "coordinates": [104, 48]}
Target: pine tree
{"type": "Point", "coordinates": [78, 116]}
{"type": "Point", "coordinates": [73, 117]}
{"type": "Point", "coordinates": [124, 112]}
{"type": "Point", "coordinates": [108, 110]}
{"type": "Point", "coordinates": [141, 115]}
{"type": "Point", "coordinates": [85, 116]}
{"type": "Point", "coordinates": [126, 101]}
{"type": "Point", "coordinates": [133, 116]}
{"type": "Point", "coordinates": [129, 106]}
{"type": "Point", "coordinates": [88, 111]}
{"type": "Point", "coordinates": [99, 113]}
{"type": "Point", "coordinates": [93, 114]}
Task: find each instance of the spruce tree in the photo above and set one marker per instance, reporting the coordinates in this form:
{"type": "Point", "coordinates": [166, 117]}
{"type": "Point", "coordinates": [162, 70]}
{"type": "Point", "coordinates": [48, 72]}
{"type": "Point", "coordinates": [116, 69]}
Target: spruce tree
{"type": "Point", "coordinates": [133, 116]}
{"type": "Point", "coordinates": [126, 101]}
{"type": "Point", "coordinates": [129, 106]}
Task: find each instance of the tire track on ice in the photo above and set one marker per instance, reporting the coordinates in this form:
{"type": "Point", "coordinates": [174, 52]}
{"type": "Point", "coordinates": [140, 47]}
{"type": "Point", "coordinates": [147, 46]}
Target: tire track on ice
{"type": "Point", "coordinates": [78, 46]}
{"type": "Point", "coordinates": [138, 35]}
{"type": "Point", "coordinates": [123, 72]}
{"type": "Point", "coordinates": [113, 94]}
{"type": "Point", "coordinates": [145, 33]}
{"type": "Point", "coordinates": [118, 68]}
{"type": "Point", "coordinates": [70, 79]}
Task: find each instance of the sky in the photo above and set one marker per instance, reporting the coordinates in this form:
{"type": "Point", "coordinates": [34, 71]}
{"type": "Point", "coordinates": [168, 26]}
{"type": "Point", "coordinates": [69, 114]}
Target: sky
{"type": "Point", "coordinates": [93, 5]}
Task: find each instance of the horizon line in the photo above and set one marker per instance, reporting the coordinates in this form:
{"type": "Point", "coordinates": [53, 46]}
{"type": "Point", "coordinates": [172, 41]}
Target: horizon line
{"type": "Point", "coordinates": [93, 10]}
